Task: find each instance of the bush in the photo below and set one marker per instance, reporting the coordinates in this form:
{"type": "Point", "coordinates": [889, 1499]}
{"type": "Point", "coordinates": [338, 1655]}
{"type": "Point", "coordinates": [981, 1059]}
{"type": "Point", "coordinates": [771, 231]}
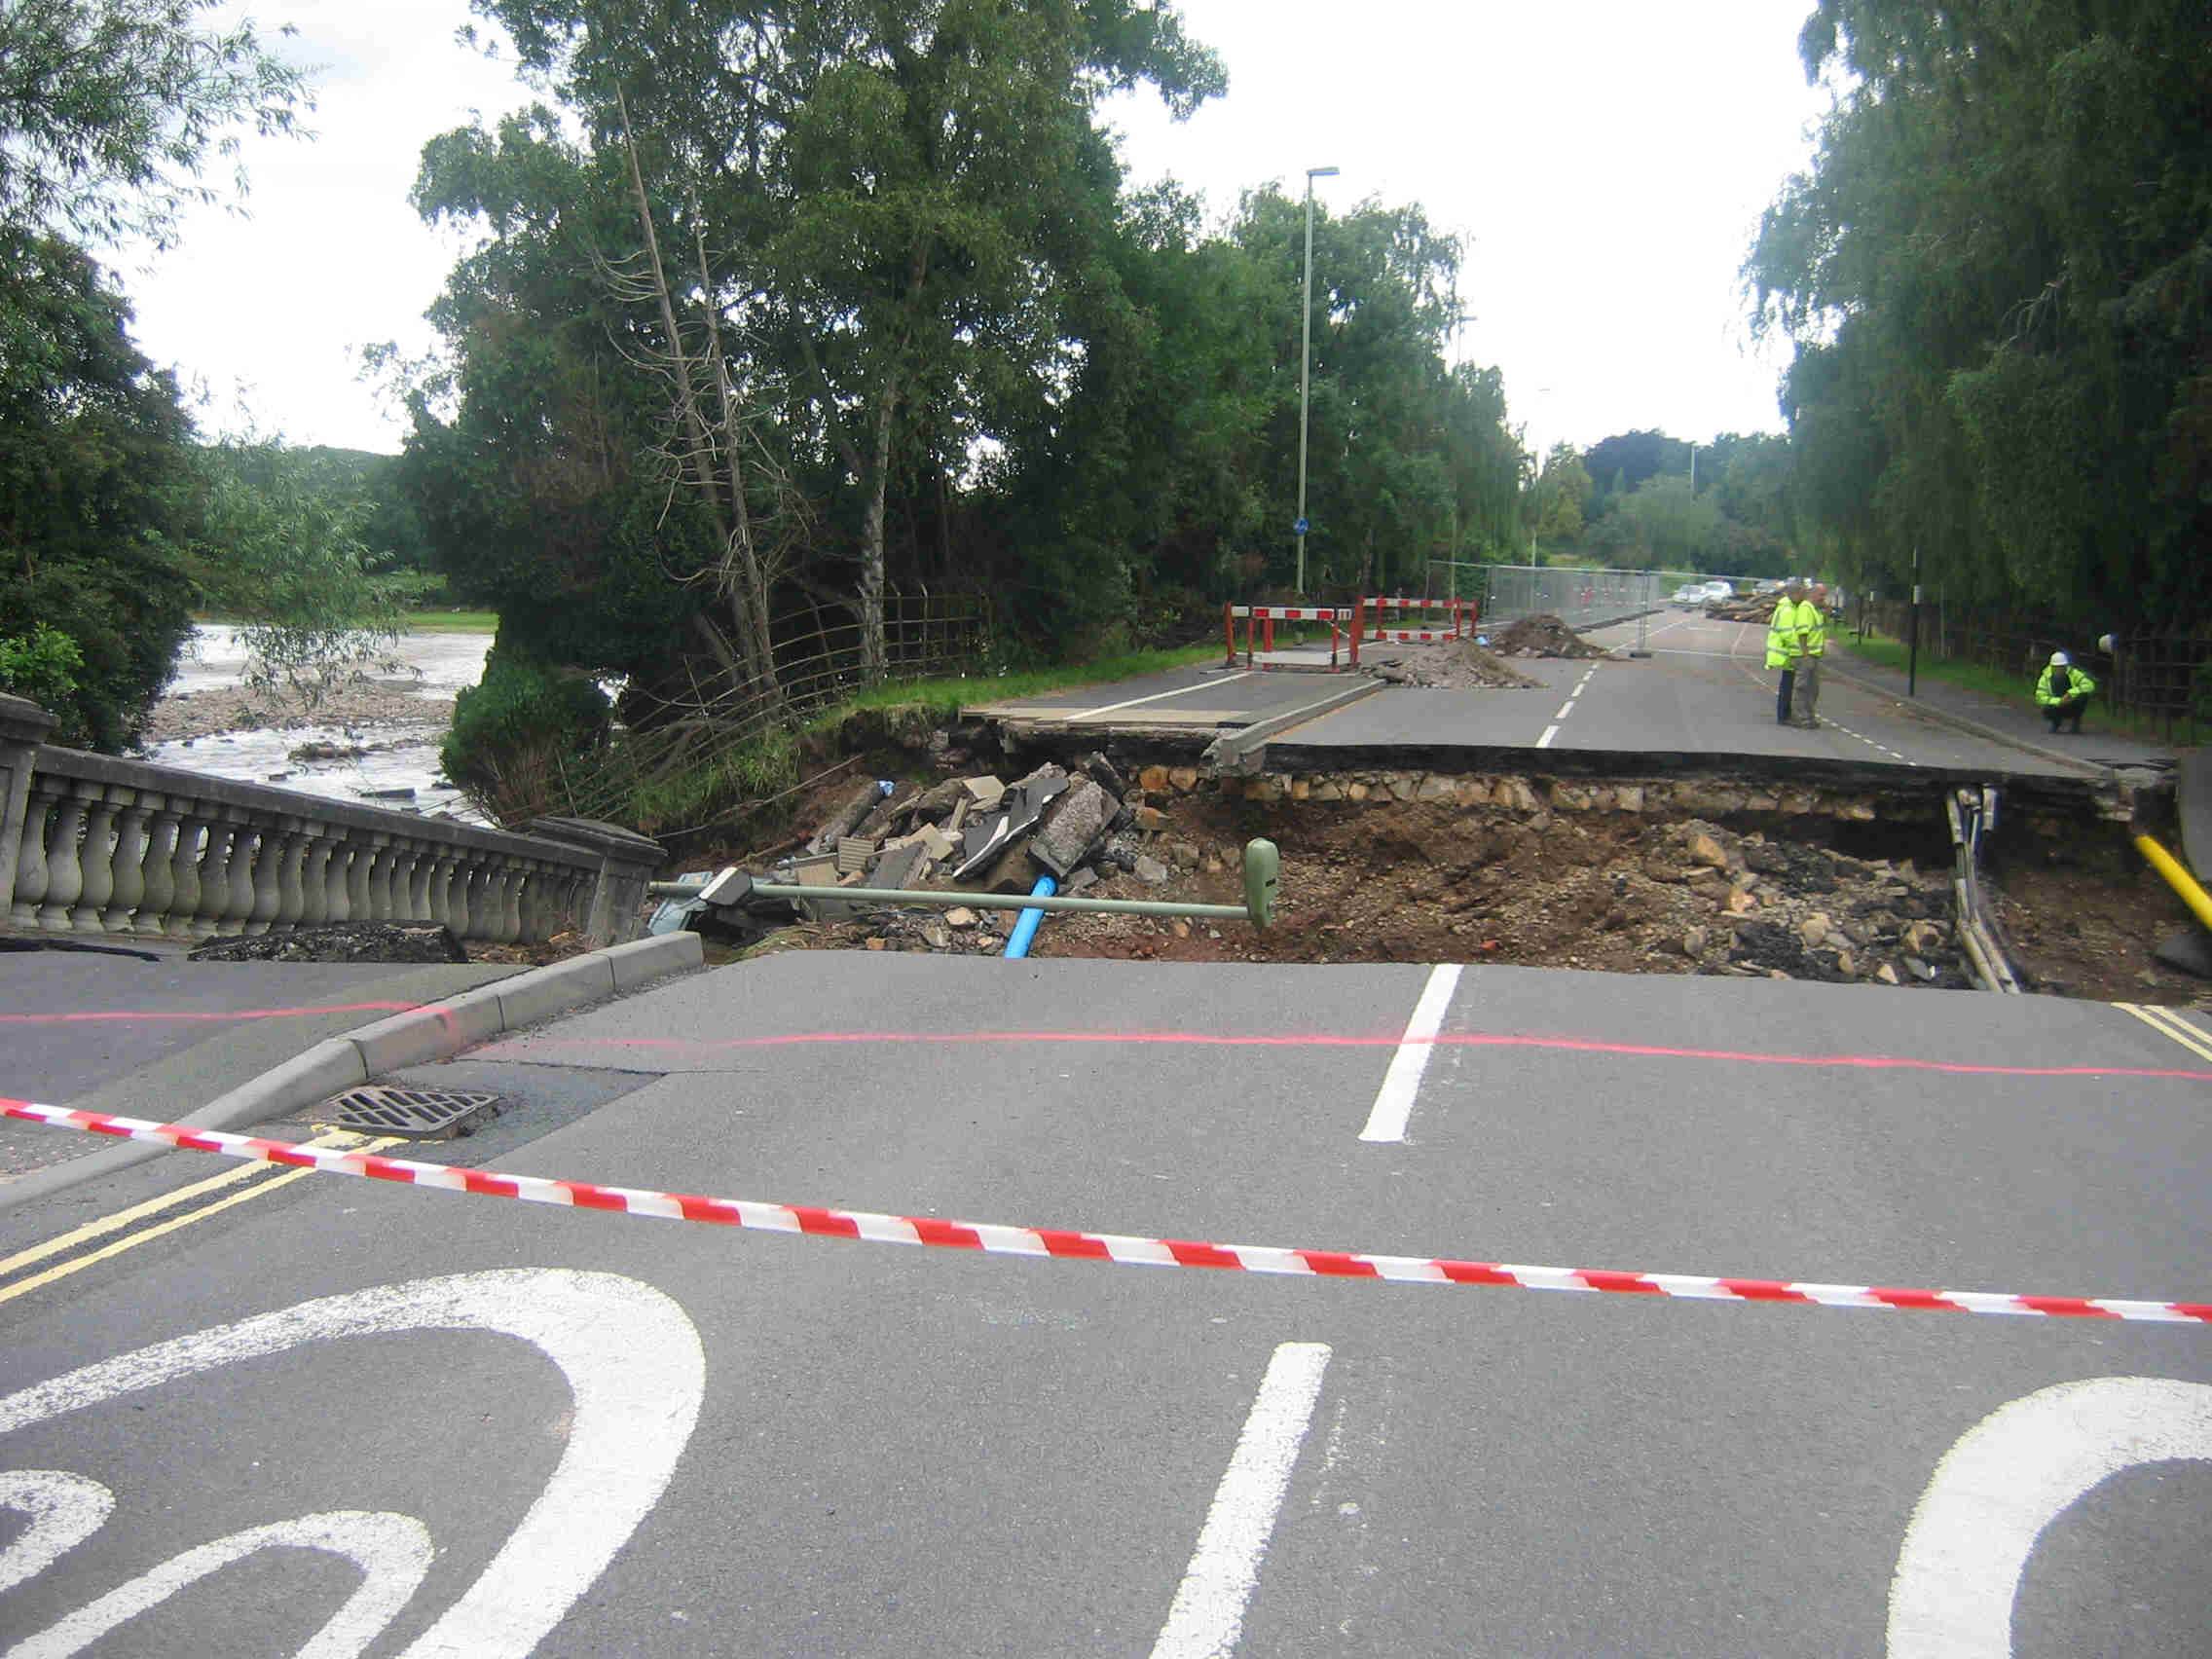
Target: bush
{"type": "Point", "coordinates": [517, 735]}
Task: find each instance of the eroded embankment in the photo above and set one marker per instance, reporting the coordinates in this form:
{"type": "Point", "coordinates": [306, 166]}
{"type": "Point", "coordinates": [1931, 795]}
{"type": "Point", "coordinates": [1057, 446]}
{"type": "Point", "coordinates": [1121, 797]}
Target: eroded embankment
{"type": "Point", "coordinates": [1848, 881]}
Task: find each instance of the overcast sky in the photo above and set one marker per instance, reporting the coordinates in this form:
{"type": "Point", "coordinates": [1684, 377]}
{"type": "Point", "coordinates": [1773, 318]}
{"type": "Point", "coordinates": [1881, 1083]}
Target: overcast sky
{"type": "Point", "coordinates": [1606, 160]}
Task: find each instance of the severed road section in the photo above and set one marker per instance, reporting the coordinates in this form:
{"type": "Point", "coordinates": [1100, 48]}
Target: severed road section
{"type": "Point", "coordinates": [439, 1422]}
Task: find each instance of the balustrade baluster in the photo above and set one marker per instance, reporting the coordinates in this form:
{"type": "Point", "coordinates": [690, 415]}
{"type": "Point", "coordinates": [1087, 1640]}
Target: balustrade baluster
{"type": "Point", "coordinates": [192, 841]}
{"type": "Point", "coordinates": [423, 866]}
{"type": "Point", "coordinates": [64, 875]}
{"type": "Point", "coordinates": [384, 904]}
{"type": "Point", "coordinates": [222, 848]}
{"type": "Point", "coordinates": [509, 911]}
{"type": "Point", "coordinates": [95, 859]}
{"type": "Point", "coordinates": [32, 873]}
{"type": "Point", "coordinates": [160, 896]}
{"type": "Point", "coordinates": [315, 878]}
{"type": "Point", "coordinates": [129, 890]}
{"type": "Point", "coordinates": [291, 898]}
{"type": "Point", "coordinates": [268, 854]}
{"type": "Point", "coordinates": [245, 855]}
{"type": "Point", "coordinates": [346, 850]}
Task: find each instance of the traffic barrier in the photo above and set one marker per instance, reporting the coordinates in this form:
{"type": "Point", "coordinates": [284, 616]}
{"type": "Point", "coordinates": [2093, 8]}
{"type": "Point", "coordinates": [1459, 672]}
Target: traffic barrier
{"type": "Point", "coordinates": [1463, 615]}
{"type": "Point", "coordinates": [1260, 620]}
{"type": "Point", "coordinates": [1128, 1250]}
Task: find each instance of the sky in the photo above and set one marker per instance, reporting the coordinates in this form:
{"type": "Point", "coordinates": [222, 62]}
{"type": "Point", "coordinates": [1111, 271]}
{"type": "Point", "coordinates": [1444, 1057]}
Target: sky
{"type": "Point", "coordinates": [1605, 160]}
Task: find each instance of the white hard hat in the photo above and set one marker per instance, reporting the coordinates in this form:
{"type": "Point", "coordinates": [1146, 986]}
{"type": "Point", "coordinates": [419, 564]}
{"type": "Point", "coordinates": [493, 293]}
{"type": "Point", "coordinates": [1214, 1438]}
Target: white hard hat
{"type": "Point", "coordinates": [2059, 660]}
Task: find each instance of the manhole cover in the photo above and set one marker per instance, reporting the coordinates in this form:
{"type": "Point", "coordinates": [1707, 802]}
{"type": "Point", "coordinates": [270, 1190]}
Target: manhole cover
{"type": "Point", "coordinates": [426, 1113]}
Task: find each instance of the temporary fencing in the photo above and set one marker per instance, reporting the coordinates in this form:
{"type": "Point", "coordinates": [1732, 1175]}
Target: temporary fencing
{"type": "Point", "coordinates": [1128, 1250]}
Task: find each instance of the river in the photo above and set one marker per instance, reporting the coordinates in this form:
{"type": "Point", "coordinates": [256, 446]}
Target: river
{"type": "Point", "coordinates": [388, 752]}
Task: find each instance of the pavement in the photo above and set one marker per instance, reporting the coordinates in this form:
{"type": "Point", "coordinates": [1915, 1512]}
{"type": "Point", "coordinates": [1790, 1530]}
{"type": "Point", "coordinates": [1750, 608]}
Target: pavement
{"type": "Point", "coordinates": [219, 1044]}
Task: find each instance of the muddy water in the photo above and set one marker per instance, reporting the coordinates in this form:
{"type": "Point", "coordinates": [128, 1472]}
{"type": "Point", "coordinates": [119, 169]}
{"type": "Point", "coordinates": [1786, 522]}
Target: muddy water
{"type": "Point", "coordinates": [398, 768]}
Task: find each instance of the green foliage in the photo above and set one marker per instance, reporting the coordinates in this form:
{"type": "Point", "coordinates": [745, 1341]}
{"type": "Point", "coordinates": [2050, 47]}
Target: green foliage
{"type": "Point", "coordinates": [516, 734]}
{"type": "Point", "coordinates": [41, 665]}
{"type": "Point", "coordinates": [96, 489]}
{"type": "Point", "coordinates": [109, 109]}
{"type": "Point", "coordinates": [1998, 274]}
{"type": "Point", "coordinates": [281, 554]}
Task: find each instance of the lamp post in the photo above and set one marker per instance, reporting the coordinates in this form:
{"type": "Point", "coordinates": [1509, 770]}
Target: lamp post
{"type": "Point", "coordinates": [1304, 360]}
{"type": "Point", "coordinates": [1535, 483]}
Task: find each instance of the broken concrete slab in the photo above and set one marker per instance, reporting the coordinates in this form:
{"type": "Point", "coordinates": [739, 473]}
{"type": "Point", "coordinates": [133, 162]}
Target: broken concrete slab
{"type": "Point", "coordinates": [1074, 824]}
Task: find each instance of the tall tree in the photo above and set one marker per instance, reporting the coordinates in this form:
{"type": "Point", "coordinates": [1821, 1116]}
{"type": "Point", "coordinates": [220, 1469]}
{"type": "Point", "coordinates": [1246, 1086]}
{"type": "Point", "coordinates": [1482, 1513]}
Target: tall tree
{"type": "Point", "coordinates": [1998, 274]}
{"type": "Point", "coordinates": [906, 191]}
{"type": "Point", "coordinates": [111, 109]}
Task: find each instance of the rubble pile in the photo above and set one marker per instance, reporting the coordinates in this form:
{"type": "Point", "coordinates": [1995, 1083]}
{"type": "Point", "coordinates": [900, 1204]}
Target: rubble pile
{"type": "Point", "coordinates": [1458, 665]}
{"type": "Point", "coordinates": [1541, 636]}
{"type": "Point", "coordinates": [1745, 607]}
{"type": "Point", "coordinates": [977, 834]}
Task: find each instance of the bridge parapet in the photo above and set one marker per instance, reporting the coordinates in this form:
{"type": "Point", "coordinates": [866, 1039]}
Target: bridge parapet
{"type": "Point", "coordinates": [92, 844]}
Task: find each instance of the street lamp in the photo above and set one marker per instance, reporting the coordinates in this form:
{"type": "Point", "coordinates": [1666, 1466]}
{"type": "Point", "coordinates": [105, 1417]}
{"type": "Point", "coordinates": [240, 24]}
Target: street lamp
{"type": "Point", "coordinates": [1304, 361]}
{"type": "Point", "coordinates": [1535, 483]}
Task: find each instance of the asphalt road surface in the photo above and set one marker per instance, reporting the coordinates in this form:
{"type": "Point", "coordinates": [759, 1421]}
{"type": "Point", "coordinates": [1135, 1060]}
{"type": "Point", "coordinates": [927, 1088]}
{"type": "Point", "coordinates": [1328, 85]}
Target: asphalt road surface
{"type": "Point", "coordinates": [425, 1421]}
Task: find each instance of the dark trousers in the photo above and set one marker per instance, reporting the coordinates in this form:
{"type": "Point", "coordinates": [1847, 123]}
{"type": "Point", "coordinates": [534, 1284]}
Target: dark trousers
{"type": "Point", "coordinates": [1782, 698]}
{"type": "Point", "coordinates": [2066, 711]}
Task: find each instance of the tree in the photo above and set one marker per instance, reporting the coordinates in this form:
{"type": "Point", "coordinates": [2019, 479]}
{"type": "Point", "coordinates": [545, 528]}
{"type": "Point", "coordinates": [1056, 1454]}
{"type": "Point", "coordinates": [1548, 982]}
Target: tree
{"type": "Point", "coordinates": [280, 553]}
{"type": "Point", "coordinates": [110, 109]}
{"type": "Point", "coordinates": [908, 192]}
{"type": "Point", "coordinates": [96, 490]}
{"type": "Point", "coordinates": [1560, 492]}
{"type": "Point", "coordinates": [1998, 277]}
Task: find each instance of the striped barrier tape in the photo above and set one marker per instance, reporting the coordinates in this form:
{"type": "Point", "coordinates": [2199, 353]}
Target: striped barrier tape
{"type": "Point", "coordinates": [1127, 1249]}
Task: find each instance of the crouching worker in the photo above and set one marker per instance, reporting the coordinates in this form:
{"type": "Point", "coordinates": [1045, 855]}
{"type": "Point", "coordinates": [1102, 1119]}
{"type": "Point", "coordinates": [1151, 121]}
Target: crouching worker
{"type": "Point", "coordinates": [2063, 692]}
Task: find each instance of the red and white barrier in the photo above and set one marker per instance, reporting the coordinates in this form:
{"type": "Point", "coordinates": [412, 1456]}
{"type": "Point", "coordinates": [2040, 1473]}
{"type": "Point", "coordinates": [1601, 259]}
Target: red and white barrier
{"type": "Point", "coordinates": [1127, 1249]}
{"type": "Point", "coordinates": [1262, 618]}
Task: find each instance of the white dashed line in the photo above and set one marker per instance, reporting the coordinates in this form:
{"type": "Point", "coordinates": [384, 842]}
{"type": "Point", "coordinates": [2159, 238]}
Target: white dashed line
{"type": "Point", "coordinates": [1208, 1612]}
{"type": "Point", "coordinates": [1394, 1102]}
{"type": "Point", "coordinates": [1545, 741]}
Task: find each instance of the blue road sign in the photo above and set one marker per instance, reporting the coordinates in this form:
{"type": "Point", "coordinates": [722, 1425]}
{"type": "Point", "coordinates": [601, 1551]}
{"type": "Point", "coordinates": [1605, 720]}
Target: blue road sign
{"type": "Point", "coordinates": [1300, 527]}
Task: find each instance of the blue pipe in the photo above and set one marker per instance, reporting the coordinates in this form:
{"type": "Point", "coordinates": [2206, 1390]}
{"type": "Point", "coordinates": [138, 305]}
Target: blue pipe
{"type": "Point", "coordinates": [1025, 925]}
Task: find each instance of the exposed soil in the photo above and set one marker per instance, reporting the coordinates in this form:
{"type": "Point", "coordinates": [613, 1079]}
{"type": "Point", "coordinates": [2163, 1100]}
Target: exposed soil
{"type": "Point", "coordinates": [1433, 883]}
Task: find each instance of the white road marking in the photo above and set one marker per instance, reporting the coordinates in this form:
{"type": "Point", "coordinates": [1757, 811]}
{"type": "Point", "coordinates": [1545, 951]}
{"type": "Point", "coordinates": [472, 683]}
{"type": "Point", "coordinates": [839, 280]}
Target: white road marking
{"type": "Point", "coordinates": [1545, 741]}
{"type": "Point", "coordinates": [2006, 1480]}
{"type": "Point", "coordinates": [1208, 1612]}
{"type": "Point", "coordinates": [64, 1510]}
{"type": "Point", "coordinates": [1394, 1102]}
{"type": "Point", "coordinates": [636, 1374]}
{"type": "Point", "coordinates": [393, 1550]}
{"type": "Point", "coordinates": [1157, 696]}
{"type": "Point", "coordinates": [1565, 709]}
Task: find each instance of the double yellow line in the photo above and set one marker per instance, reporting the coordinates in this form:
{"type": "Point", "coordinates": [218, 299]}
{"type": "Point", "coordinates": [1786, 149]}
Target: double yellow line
{"type": "Point", "coordinates": [260, 1179]}
{"type": "Point", "coordinates": [2171, 1025]}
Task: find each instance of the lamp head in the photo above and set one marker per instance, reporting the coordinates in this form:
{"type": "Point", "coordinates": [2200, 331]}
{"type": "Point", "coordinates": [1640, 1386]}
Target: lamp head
{"type": "Point", "coordinates": [1320, 172]}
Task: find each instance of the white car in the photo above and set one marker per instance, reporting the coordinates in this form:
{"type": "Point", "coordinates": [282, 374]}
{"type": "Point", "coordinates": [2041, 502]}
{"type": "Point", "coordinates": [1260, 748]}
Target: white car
{"type": "Point", "coordinates": [1690, 593]}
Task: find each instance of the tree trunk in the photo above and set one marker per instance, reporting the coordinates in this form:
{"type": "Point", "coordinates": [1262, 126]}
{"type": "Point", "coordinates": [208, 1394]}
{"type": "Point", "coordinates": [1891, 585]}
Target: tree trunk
{"type": "Point", "coordinates": [873, 657]}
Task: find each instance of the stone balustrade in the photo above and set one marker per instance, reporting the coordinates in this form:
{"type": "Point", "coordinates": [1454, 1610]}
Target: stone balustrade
{"type": "Point", "coordinates": [90, 844]}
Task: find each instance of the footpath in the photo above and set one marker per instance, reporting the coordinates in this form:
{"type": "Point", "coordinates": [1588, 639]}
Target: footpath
{"type": "Point", "coordinates": [219, 1045]}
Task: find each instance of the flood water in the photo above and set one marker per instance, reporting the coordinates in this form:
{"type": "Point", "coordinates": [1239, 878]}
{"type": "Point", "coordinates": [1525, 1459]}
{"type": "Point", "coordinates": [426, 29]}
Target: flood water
{"type": "Point", "coordinates": [402, 755]}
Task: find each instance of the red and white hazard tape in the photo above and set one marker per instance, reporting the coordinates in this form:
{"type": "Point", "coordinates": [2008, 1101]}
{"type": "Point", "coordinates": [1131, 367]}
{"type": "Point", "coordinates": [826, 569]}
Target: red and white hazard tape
{"type": "Point", "coordinates": [1128, 1250]}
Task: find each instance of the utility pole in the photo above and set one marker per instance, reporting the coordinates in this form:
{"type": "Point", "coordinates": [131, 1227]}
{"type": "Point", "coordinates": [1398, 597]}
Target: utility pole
{"type": "Point", "coordinates": [1305, 363]}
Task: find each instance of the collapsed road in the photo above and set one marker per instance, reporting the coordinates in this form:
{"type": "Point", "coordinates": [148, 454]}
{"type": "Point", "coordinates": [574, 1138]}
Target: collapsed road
{"type": "Point", "coordinates": [638, 1367]}
{"type": "Point", "coordinates": [1444, 812]}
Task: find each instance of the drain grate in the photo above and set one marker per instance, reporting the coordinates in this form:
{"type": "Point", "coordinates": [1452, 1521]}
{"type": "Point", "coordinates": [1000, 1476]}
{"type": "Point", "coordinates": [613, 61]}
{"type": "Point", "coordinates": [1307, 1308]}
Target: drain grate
{"type": "Point", "coordinates": [425, 1114]}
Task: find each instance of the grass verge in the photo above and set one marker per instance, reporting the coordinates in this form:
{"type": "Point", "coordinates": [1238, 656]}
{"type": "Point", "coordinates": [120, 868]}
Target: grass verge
{"type": "Point", "coordinates": [1992, 683]}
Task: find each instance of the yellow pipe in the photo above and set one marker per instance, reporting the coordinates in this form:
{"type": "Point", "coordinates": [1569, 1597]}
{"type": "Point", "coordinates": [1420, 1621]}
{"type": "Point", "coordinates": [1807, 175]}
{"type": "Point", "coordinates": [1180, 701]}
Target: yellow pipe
{"type": "Point", "coordinates": [2182, 883]}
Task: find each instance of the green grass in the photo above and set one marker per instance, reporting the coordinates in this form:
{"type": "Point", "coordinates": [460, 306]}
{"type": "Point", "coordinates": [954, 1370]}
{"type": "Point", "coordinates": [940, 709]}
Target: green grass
{"type": "Point", "coordinates": [452, 622]}
{"type": "Point", "coordinates": [993, 687]}
{"type": "Point", "coordinates": [1993, 682]}
{"type": "Point", "coordinates": [1966, 675]}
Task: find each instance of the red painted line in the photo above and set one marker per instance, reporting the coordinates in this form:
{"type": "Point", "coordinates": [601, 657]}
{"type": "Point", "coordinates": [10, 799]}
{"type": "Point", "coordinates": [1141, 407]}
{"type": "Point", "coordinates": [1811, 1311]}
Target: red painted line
{"type": "Point", "coordinates": [1321, 1039]}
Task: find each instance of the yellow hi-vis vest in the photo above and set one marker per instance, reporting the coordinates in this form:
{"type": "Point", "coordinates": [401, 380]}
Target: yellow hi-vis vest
{"type": "Point", "coordinates": [1782, 634]}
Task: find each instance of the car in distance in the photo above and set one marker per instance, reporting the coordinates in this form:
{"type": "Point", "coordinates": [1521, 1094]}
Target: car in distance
{"type": "Point", "coordinates": [1690, 594]}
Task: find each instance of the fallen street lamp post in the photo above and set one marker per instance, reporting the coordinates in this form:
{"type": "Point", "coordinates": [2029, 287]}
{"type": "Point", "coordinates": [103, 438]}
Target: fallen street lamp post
{"type": "Point", "coordinates": [732, 887]}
